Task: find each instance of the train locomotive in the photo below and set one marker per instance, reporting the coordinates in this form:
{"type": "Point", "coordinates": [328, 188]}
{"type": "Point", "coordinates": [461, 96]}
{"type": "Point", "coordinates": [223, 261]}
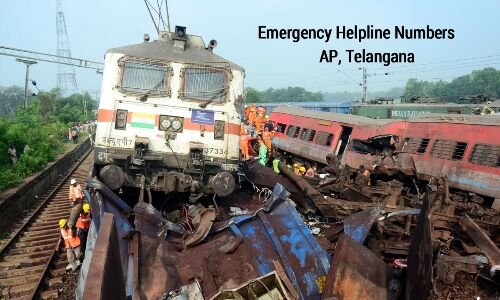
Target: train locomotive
{"type": "Point", "coordinates": [169, 117]}
{"type": "Point", "coordinates": [462, 148]}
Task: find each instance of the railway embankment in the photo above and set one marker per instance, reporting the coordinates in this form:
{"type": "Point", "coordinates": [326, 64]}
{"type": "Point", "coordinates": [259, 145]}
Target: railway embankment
{"type": "Point", "coordinates": [20, 198]}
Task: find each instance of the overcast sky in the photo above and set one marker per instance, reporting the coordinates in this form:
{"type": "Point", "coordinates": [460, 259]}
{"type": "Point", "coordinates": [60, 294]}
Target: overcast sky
{"type": "Point", "coordinates": [96, 25]}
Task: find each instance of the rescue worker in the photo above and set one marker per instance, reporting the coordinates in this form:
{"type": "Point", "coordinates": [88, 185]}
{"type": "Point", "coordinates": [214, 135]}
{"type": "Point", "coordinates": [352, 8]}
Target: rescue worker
{"type": "Point", "coordinates": [262, 152]}
{"type": "Point", "coordinates": [251, 116]}
{"type": "Point", "coordinates": [339, 183]}
{"type": "Point", "coordinates": [362, 178]}
{"type": "Point", "coordinates": [296, 169]}
{"type": "Point", "coordinates": [267, 139]}
{"type": "Point", "coordinates": [75, 192]}
{"type": "Point", "coordinates": [333, 164]}
{"type": "Point", "coordinates": [244, 146]}
{"type": "Point", "coordinates": [269, 124]}
{"type": "Point", "coordinates": [302, 171]}
{"type": "Point", "coordinates": [310, 172]}
{"type": "Point", "coordinates": [276, 162]}
{"type": "Point", "coordinates": [83, 225]}
{"type": "Point", "coordinates": [243, 129]}
{"type": "Point", "coordinates": [72, 245]}
{"type": "Point", "coordinates": [260, 119]}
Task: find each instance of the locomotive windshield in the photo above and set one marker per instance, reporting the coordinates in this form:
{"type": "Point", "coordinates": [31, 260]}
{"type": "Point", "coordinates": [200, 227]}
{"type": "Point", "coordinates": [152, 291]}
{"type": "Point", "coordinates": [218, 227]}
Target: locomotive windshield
{"type": "Point", "coordinates": [139, 77]}
{"type": "Point", "coordinates": [206, 84]}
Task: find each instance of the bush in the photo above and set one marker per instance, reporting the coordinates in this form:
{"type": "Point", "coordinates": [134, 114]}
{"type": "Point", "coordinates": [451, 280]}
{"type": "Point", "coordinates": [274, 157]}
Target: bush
{"type": "Point", "coordinates": [44, 133]}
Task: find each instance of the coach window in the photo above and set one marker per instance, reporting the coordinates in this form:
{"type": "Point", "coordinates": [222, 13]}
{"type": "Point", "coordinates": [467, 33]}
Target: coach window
{"type": "Point", "coordinates": [205, 84]}
{"type": "Point", "coordinates": [281, 127]}
{"type": "Point", "coordinates": [485, 155]}
{"type": "Point", "coordinates": [324, 138]}
{"type": "Point", "coordinates": [304, 133]}
{"type": "Point", "coordinates": [446, 149]}
{"type": "Point", "coordinates": [311, 135]}
{"type": "Point", "coordinates": [415, 145]}
{"type": "Point", "coordinates": [140, 77]}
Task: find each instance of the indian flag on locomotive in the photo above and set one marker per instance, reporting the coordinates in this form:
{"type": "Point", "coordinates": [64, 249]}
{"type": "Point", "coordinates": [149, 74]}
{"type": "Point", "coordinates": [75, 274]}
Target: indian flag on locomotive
{"type": "Point", "coordinates": [143, 120]}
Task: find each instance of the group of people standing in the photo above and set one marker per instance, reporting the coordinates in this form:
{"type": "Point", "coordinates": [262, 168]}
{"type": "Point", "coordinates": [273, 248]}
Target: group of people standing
{"type": "Point", "coordinates": [76, 131]}
{"type": "Point", "coordinates": [12, 152]}
{"type": "Point", "coordinates": [74, 233]}
{"type": "Point", "coordinates": [258, 129]}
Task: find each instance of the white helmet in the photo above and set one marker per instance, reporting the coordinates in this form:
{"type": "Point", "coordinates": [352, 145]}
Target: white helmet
{"type": "Point", "coordinates": [73, 181]}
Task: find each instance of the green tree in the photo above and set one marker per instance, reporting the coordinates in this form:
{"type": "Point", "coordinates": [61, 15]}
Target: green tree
{"type": "Point", "coordinates": [253, 96]}
{"type": "Point", "coordinates": [10, 98]}
{"type": "Point", "coordinates": [289, 94]}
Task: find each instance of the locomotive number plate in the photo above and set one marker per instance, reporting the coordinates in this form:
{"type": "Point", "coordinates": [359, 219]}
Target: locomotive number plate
{"type": "Point", "coordinates": [214, 151]}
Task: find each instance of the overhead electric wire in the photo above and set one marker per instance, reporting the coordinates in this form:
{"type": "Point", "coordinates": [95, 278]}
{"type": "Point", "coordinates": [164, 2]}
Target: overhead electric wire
{"type": "Point", "coordinates": [438, 62]}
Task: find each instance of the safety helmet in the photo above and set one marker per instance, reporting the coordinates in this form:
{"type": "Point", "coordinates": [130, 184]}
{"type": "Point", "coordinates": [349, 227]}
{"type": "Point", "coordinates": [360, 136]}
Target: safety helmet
{"type": "Point", "coordinates": [302, 169]}
{"type": "Point", "coordinates": [86, 208]}
{"type": "Point", "coordinates": [267, 117]}
{"type": "Point", "coordinates": [296, 165]}
{"type": "Point", "coordinates": [62, 222]}
{"type": "Point", "coordinates": [73, 181]}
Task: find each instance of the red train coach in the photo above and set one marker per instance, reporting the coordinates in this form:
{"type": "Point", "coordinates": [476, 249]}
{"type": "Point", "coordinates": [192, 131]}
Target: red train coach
{"type": "Point", "coordinates": [464, 148]}
{"type": "Point", "coordinates": [314, 134]}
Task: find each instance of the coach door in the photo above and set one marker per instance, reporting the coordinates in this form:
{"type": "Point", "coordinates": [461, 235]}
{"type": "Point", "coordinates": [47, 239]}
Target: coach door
{"type": "Point", "coordinates": [344, 140]}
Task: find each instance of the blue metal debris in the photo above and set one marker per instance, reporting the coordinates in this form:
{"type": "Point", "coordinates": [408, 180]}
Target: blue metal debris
{"type": "Point", "coordinates": [282, 235]}
{"type": "Point", "coordinates": [358, 226]}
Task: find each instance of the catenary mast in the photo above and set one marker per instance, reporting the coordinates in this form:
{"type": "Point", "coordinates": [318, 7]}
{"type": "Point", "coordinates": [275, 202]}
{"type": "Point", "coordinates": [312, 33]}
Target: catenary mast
{"type": "Point", "coordinates": [66, 80]}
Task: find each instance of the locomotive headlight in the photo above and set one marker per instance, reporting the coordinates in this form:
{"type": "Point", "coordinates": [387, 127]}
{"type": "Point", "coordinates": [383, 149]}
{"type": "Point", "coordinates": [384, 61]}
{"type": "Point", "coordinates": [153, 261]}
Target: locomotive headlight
{"type": "Point", "coordinates": [177, 124]}
{"type": "Point", "coordinates": [165, 122]}
{"type": "Point", "coordinates": [219, 130]}
{"type": "Point", "coordinates": [121, 119]}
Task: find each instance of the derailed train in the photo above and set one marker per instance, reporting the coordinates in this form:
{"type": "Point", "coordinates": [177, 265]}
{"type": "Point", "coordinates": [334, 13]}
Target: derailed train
{"type": "Point", "coordinates": [463, 148]}
{"type": "Point", "coordinates": [169, 117]}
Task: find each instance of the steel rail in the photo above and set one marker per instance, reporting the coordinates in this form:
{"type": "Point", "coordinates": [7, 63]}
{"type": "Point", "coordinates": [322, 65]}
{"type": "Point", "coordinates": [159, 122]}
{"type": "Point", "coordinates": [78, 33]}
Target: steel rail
{"type": "Point", "coordinates": [42, 205]}
{"type": "Point", "coordinates": [53, 254]}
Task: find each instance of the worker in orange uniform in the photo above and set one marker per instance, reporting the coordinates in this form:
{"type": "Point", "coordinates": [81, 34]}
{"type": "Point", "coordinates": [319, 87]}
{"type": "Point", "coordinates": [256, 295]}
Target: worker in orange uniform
{"type": "Point", "coordinates": [83, 225]}
{"type": "Point", "coordinates": [72, 244]}
{"type": "Point", "coordinates": [243, 129]}
{"type": "Point", "coordinates": [267, 136]}
{"type": "Point", "coordinates": [260, 120]}
{"type": "Point", "coordinates": [252, 115]}
{"type": "Point", "coordinates": [75, 192]}
{"type": "Point", "coordinates": [244, 146]}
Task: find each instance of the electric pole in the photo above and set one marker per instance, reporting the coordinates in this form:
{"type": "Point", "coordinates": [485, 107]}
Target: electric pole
{"type": "Point", "coordinates": [28, 64]}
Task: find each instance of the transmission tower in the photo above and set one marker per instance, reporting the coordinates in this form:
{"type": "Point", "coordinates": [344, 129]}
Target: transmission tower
{"type": "Point", "coordinates": [66, 80]}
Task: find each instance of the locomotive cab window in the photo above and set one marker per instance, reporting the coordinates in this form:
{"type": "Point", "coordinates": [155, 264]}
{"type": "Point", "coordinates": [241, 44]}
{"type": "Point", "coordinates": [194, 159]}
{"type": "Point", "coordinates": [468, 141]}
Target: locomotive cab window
{"type": "Point", "coordinates": [140, 77]}
{"type": "Point", "coordinates": [204, 84]}
{"type": "Point", "coordinates": [451, 150]}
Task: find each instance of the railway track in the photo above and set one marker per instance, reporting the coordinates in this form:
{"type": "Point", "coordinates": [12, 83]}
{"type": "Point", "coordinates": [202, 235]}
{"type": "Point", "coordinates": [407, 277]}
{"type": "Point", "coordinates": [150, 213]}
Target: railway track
{"type": "Point", "coordinates": [29, 260]}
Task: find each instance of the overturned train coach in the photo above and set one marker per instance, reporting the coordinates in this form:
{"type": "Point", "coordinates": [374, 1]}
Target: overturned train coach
{"type": "Point", "coordinates": [169, 117]}
{"type": "Point", "coordinates": [466, 149]}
